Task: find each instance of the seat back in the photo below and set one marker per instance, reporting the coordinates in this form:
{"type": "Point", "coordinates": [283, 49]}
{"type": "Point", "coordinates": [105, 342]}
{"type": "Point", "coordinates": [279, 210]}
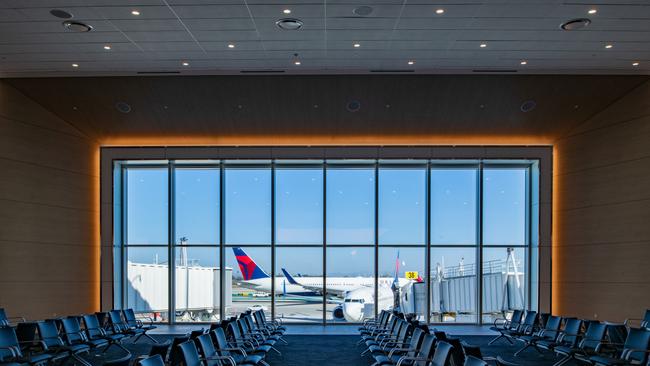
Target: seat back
{"type": "Point", "coordinates": [645, 322]}
{"type": "Point", "coordinates": [404, 332]}
{"type": "Point", "coordinates": [457, 354]}
{"type": "Point", "coordinates": [594, 336]}
{"type": "Point", "coordinates": [472, 351]}
{"type": "Point", "coordinates": [205, 344]}
{"type": "Point", "coordinates": [49, 334]}
{"type": "Point", "coordinates": [219, 341]}
{"type": "Point", "coordinates": [571, 333]}
{"type": "Point", "coordinates": [529, 322]}
{"type": "Point", "coordinates": [26, 332]}
{"type": "Point", "coordinates": [160, 349]}
{"type": "Point", "coordinates": [426, 348]}
{"type": "Point", "coordinates": [129, 316]}
{"type": "Point", "coordinates": [190, 354]}
{"type": "Point", "coordinates": [442, 354]}
{"type": "Point", "coordinates": [175, 357]}
{"type": "Point", "coordinates": [416, 339]}
{"type": "Point", "coordinates": [72, 330]}
{"type": "Point", "coordinates": [637, 339]}
{"type": "Point", "coordinates": [196, 333]}
{"type": "Point", "coordinates": [542, 319]}
{"type": "Point", "coordinates": [8, 344]}
{"type": "Point", "coordinates": [93, 327]}
{"type": "Point", "coordinates": [616, 333]}
{"type": "Point", "coordinates": [116, 322]}
{"type": "Point", "coordinates": [155, 360]}
{"type": "Point", "coordinates": [4, 321]}
{"type": "Point", "coordinates": [515, 319]}
{"type": "Point", "coordinates": [552, 327]}
{"type": "Point", "coordinates": [234, 331]}
{"type": "Point", "coordinates": [473, 361]}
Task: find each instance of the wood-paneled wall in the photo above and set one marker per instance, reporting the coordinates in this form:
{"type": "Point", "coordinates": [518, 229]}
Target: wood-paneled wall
{"type": "Point", "coordinates": [49, 246]}
{"type": "Point", "coordinates": [602, 213]}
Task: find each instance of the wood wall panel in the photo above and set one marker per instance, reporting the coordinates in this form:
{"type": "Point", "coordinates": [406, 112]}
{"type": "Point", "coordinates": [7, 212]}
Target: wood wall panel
{"type": "Point", "coordinates": [602, 211]}
{"type": "Point", "coordinates": [49, 250]}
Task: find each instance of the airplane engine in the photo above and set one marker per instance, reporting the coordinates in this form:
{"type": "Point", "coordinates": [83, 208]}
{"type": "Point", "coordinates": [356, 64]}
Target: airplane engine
{"type": "Point", "coordinates": [337, 313]}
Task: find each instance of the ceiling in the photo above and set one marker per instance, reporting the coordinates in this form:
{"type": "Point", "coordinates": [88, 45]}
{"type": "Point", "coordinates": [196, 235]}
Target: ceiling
{"type": "Point", "coordinates": [168, 33]}
{"type": "Point", "coordinates": [275, 110]}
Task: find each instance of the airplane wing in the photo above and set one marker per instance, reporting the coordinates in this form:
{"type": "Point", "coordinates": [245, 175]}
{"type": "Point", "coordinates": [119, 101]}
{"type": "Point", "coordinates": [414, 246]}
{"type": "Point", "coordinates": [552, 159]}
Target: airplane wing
{"type": "Point", "coordinates": [318, 289]}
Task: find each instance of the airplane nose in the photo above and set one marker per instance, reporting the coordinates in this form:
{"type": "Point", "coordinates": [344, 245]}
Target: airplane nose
{"type": "Point", "coordinates": [352, 312]}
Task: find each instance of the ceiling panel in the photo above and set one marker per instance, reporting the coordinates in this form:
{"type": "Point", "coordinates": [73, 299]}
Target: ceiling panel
{"type": "Point", "coordinates": [167, 33]}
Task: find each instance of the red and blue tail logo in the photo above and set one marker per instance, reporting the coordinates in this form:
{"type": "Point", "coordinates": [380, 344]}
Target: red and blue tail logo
{"type": "Point", "coordinates": [249, 270]}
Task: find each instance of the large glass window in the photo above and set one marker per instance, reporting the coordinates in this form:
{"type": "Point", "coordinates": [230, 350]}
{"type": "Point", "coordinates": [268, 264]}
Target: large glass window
{"type": "Point", "coordinates": [336, 241]}
{"type": "Point", "coordinates": [350, 205]}
{"type": "Point", "coordinates": [299, 205]}
{"type": "Point", "coordinates": [402, 205]}
{"type": "Point", "coordinates": [248, 205]}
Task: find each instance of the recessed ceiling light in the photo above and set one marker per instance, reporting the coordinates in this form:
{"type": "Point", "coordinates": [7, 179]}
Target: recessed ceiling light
{"type": "Point", "coordinates": [440, 11]}
{"type": "Point", "coordinates": [75, 65]}
{"type": "Point", "coordinates": [107, 47]}
{"type": "Point", "coordinates": [575, 24]}
{"type": "Point", "coordinates": [635, 64]}
{"type": "Point", "coordinates": [592, 11]}
{"type": "Point", "coordinates": [289, 24]}
{"type": "Point", "coordinates": [135, 12]}
{"type": "Point", "coordinates": [483, 45]}
{"type": "Point", "coordinates": [523, 62]}
{"type": "Point", "coordinates": [60, 13]}
{"type": "Point", "coordinates": [362, 11]}
{"type": "Point", "coordinates": [411, 62]}
{"type": "Point", "coordinates": [297, 63]}
{"type": "Point", "coordinates": [186, 63]}
{"type": "Point", "coordinates": [608, 46]}
{"type": "Point", "coordinates": [74, 26]}
{"type": "Point", "coordinates": [356, 45]}
{"type": "Point", "coordinates": [231, 45]}
{"type": "Point", "coordinates": [287, 11]}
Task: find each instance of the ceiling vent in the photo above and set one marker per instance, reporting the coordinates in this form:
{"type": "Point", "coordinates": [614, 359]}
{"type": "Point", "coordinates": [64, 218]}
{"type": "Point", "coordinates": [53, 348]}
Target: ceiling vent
{"type": "Point", "coordinates": [78, 27]}
{"type": "Point", "coordinates": [575, 24]}
{"type": "Point", "coordinates": [362, 11]}
{"type": "Point", "coordinates": [353, 106]}
{"type": "Point", "coordinates": [123, 107]}
{"type": "Point", "coordinates": [289, 23]}
{"type": "Point", "coordinates": [60, 13]}
{"type": "Point", "coordinates": [528, 106]}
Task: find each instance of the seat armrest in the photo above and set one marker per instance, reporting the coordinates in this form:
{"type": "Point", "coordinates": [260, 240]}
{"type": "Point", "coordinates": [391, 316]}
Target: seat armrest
{"type": "Point", "coordinates": [405, 358]}
{"type": "Point", "coordinates": [400, 350]}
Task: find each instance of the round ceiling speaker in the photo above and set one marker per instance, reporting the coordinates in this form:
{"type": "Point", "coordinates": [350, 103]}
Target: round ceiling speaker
{"type": "Point", "coordinates": [289, 23]}
{"type": "Point", "coordinates": [528, 106]}
{"type": "Point", "coordinates": [76, 26]}
{"type": "Point", "coordinates": [363, 11]}
{"type": "Point", "coordinates": [60, 13]}
{"type": "Point", "coordinates": [575, 24]}
{"type": "Point", "coordinates": [353, 106]}
{"type": "Point", "coordinates": [123, 107]}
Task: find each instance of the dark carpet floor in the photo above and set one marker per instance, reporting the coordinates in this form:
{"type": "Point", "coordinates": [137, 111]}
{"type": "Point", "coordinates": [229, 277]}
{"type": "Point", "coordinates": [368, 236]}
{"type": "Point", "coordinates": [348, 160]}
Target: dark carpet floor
{"type": "Point", "coordinates": [331, 350]}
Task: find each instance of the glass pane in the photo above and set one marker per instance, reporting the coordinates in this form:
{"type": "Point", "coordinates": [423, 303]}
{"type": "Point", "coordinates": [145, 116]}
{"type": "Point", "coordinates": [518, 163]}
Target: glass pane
{"type": "Point", "coordinates": [248, 206]}
{"type": "Point", "coordinates": [250, 284]}
{"type": "Point", "coordinates": [410, 291]}
{"type": "Point", "coordinates": [504, 281]}
{"type": "Point", "coordinates": [402, 206]}
{"type": "Point", "coordinates": [350, 284]}
{"type": "Point", "coordinates": [299, 206]}
{"type": "Point", "coordinates": [350, 206]}
{"type": "Point", "coordinates": [299, 297]}
{"type": "Point", "coordinates": [197, 284]}
{"type": "Point", "coordinates": [197, 206]}
{"type": "Point", "coordinates": [453, 285]}
{"type": "Point", "coordinates": [504, 206]}
{"type": "Point", "coordinates": [147, 272]}
{"type": "Point", "coordinates": [453, 206]}
{"type": "Point", "coordinates": [146, 206]}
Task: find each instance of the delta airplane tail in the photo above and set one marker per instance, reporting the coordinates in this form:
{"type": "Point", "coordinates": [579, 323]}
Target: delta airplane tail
{"type": "Point", "coordinates": [249, 269]}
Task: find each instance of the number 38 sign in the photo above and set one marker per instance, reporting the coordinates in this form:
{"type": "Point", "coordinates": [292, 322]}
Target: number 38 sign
{"type": "Point", "coordinates": [411, 275]}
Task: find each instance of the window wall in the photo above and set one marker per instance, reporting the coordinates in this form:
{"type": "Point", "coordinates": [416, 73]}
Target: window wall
{"type": "Point", "coordinates": [325, 241]}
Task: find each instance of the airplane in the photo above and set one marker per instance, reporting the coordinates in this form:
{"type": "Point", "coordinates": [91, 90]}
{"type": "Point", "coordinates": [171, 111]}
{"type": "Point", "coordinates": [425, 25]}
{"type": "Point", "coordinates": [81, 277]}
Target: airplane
{"type": "Point", "coordinates": [352, 293]}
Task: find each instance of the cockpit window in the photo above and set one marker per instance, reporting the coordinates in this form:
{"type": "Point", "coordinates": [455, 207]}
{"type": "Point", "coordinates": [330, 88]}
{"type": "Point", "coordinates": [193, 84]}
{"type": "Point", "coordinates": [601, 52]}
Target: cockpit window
{"type": "Point", "coordinates": [361, 301]}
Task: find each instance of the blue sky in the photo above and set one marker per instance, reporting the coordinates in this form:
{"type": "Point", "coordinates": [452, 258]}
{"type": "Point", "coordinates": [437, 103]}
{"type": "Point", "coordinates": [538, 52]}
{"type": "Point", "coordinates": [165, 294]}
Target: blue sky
{"type": "Point", "coordinates": [350, 215]}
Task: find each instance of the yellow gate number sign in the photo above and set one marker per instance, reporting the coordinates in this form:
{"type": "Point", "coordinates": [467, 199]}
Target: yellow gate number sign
{"type": "Point", "coordinates": [412, 275]}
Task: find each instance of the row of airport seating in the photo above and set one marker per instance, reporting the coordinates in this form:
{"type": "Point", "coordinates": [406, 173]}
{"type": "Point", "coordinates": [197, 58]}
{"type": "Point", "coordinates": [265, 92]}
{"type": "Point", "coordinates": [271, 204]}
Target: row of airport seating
{"type": "Point", "coordinates": [56, 340]}
{"type": "Point", "coordinates": [243, 340]}
{"type": "Point", "coordinates": [572, 339]}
